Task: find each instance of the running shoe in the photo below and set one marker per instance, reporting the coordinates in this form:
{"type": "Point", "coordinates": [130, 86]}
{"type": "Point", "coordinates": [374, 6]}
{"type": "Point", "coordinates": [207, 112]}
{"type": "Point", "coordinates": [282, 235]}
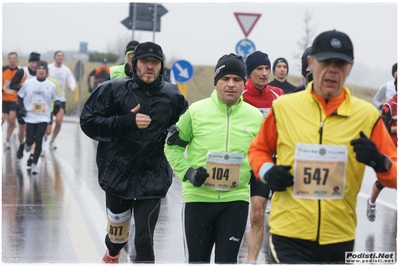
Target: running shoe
{"type": "Point", "coordinates": [20, 152]}
{"type": "Point", "coordinates": [370, 211]}
{"type": "Point", "coordinates": [34, 170]}
{"type": "Point", "coordinates": [30, 161]}
{"type": "Point", "coordinates": [52, 146]}
{"type": "Point", "coordinates": [27, 147]}
{"type": "Point", "coordinates": [110, 259]}
{"type": "Point", "coordinates": [7, 144]}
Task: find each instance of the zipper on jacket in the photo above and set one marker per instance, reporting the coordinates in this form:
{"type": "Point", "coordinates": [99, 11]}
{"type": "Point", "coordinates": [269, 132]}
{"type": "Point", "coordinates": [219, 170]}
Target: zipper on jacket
{"type": "Point", "coordinates": [143, 135]}
{"type": "Point", "coordinates": [321, 131]}
{"type": "Point", "coordinates": [318, 201]}
{"type": "Point", "coordinates": [228, 129]}
{"type": "Point", "coordinates": [227, 136]}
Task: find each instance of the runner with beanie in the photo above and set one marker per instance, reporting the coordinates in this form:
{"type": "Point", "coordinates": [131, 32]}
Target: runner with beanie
{"type": "Point", "coordinates": [126, 69]}
{"type": "Point", "coordinates": [34, 100]}
{"type": "Point", "coordinates": [259, 94]}
{"type": "Point", "coordinates": [216, 132]}
{"type": "Point", "coordinates": [280, 73]}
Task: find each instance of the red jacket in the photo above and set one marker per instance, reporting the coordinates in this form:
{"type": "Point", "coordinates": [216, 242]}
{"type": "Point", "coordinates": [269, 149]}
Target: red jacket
{"type": "Point", "coordinates": [261, 99]}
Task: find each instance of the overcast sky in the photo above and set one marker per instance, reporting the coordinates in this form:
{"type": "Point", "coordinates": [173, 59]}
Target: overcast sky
{"type": "Point", "coordinates": [204, 31]}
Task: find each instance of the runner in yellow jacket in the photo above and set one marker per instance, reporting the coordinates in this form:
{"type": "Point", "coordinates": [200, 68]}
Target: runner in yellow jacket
{"type": "Point", "coordinates": [323, 137]}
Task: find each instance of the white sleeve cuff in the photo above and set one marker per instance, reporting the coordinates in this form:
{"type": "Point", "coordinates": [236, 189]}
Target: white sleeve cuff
{"type": "Point", "coordinates": [263, 170]}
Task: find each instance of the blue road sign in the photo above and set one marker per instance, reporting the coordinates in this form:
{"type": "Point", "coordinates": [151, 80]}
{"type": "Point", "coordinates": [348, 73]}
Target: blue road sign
{"type": "Point", "coordinates": [83, 47]}
{"type": "Point", "coordinates": [182, 70]}
{"type": "Point", "coordinates": [245, 47]}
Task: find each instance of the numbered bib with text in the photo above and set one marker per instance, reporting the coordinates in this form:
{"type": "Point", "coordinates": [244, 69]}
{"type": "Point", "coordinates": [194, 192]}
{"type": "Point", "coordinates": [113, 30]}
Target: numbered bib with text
{"type": "Point", "coordinates": [320, 171]}
{"type": "Point", "coordinates": [38, 107]}
{"type": "Point", "coordinates": [224, 170]}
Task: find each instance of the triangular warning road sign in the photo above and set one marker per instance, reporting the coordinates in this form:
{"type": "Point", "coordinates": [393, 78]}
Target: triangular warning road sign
{"type": "Point", "coordinates": [247, 21]}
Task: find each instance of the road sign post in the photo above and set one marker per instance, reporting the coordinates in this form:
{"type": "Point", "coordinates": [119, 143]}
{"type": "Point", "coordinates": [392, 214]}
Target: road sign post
{"type": "Point", "coordinates": [79, 70]}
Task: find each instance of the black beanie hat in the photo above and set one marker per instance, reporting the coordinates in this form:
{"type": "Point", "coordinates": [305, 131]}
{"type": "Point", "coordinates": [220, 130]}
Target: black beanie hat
{"type": "Point", "coordinates": [131, 46]}
{"type": "Point", "coordinates": [394, 69]}
{"type": "Point", "coordinates": [34, 57]}
{"type": "Point", "coordinates": [43, 64]}
{"type": "Point", "coordinates": [279, 60]}
{"type": "Point", "coordinates": [230, 64]}
{"type": "Point", "coordinates": [304, 60]}
{"type": "Point", "coordinates": [256, 59]}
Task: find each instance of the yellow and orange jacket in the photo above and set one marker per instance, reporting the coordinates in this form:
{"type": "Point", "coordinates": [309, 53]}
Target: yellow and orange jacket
{"type": "Point", "coordinates": [304, 117]}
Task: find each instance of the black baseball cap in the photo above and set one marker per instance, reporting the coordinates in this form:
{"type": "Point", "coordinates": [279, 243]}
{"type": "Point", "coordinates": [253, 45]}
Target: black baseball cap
{"type": "Point", "coordinates": [333, 45]}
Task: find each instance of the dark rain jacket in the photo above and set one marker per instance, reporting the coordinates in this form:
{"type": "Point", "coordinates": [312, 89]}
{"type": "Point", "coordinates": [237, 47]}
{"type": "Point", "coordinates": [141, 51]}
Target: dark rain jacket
{"type": "Point", "coordinates": [131, 161]}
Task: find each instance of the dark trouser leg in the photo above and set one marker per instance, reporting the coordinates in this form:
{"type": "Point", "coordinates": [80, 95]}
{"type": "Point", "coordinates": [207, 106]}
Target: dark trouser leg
{"type": "Point", "coordinates": [146, 213]}
{"type": "Point", "coordinates": [40, 130]}
{"type": "Point", "coordinates": [230, 226]}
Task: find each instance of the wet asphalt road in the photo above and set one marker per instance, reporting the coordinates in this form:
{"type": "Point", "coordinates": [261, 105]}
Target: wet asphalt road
{"type": "Point", "coordinates": [58, 216]}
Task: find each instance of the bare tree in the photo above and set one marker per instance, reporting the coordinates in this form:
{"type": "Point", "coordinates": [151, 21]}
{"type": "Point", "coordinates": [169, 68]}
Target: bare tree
{"type": "Point", "coordinates": [307, 39]}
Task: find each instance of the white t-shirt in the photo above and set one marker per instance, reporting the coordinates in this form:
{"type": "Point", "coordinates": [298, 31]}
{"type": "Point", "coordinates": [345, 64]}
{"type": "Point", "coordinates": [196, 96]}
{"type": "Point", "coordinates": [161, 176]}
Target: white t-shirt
{"type": "Point", "coordinates": [64, 76]}
{"type": "Point", "coordinates": [37, 97]}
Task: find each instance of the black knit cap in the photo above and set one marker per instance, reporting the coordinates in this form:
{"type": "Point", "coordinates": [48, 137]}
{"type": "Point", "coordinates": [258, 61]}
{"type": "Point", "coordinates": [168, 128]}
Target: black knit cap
{"type": "Point", "coordinates": [394, 69]}
{"type": "Point", "coordinates": [43, 64]}
{"type": "Point", "coordinates": [34, 57]}
{"type": "Point", "coordinates": [333, 44]}
{"type": "Point", "coordinates": [230, 64]}
{"type": "Point", "coordinates": [131, 46]}
{"type": "Point", "coordinates": [256, 59]}
{"type": "Point", "coordinates": [279, 60]}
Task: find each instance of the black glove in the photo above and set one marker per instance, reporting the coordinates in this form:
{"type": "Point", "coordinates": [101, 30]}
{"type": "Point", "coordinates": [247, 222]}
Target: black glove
{"type": "Point", "coordinates": [22, 111]}
{"type": "Point", "coordinates": [368, 153]}
{"type": "Point", "coordinates": [278, 178]}
{"type": "Point", "coordinates": [197, 176]}
{"type": "Point", "coordinates": [90, 89]}
{"type": "Point", "coordinates": [128, 121]}
{"type": "Point", "coordinates": [57, 107]}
